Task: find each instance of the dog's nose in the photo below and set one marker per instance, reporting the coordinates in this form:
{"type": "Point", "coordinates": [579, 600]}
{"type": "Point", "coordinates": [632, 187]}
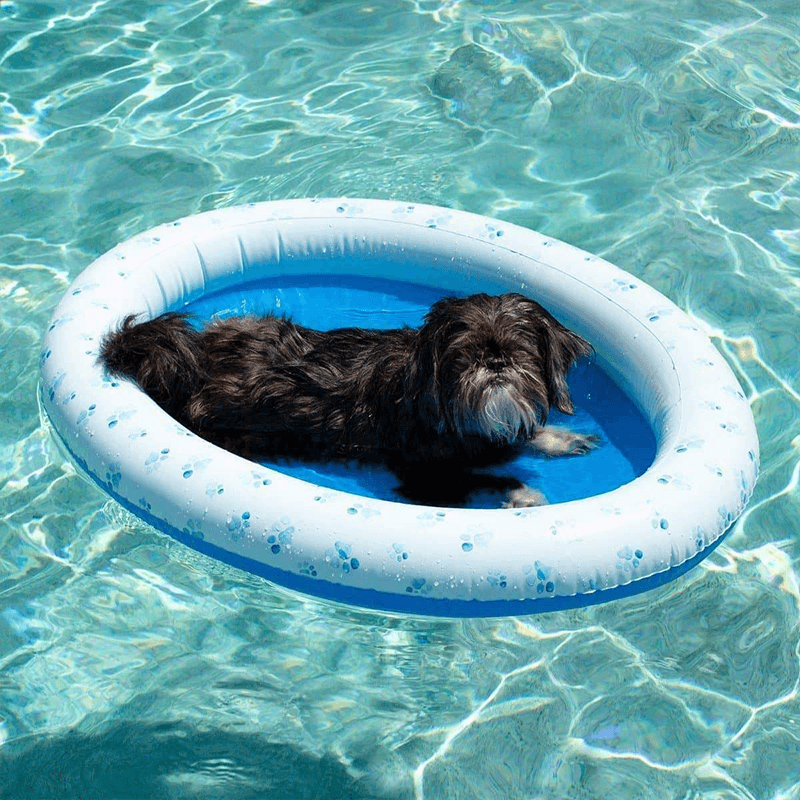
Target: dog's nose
{"type": "Point", "coordinates": [497, 364]}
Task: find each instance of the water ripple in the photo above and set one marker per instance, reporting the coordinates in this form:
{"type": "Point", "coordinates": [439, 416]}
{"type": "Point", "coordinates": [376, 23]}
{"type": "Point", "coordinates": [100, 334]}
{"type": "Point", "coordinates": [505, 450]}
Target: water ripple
{"type": "Point", "coordinates": [663, 138]}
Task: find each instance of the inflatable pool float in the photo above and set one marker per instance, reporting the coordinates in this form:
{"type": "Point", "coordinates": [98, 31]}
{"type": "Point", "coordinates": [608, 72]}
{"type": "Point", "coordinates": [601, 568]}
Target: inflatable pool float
{"type": "Point", "coordinates": [374, 552]}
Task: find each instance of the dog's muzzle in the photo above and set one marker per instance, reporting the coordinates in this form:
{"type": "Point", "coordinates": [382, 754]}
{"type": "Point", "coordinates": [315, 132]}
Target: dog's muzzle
{"type": "Point", "coordinates": [502, 414]}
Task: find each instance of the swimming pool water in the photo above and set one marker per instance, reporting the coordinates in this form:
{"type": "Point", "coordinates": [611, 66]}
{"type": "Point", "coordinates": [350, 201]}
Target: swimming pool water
{"type": "Point", "coordinates": [662, 136]}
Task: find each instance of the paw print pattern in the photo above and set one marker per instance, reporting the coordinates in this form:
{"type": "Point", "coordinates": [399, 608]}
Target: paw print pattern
{"type": "Point", "coordinates": [182, 431]}
{"type": "Point", "coordinates": [475, 537]}
{"type": "Point", "coordinates": [674, 481]}
{"type": "Point", "coordinates": [144, 504]}
{"type": "Point", "coordinates": [85, 288]}
{"type": "Point", "coordinates": [403, 209]}
{"type": "Point", "coordinates": [58, 379]}
{"type": "Point", "coordinates": [238, 525]}
{"type": "Point", "coordinates": [307, 568]}
{"type": "Point", "coordinates": [214, 489]}
{"type": "Point", "coordinates": [659, 522]}
{"type": "Point", "coordinates": [692, 443]}
{"type": "Point", "coordinates": [83, 417]}
{"type": "Point", "coordinates": [280, 536]}
{"type": "Point", "coordinates": [628, 559]}
{"type": "Point", "coordinates": [417, 586]}
{"type": "Point", "coordinates": [188, 469]}
{"type": "Point", "coordinates": [194, 528]}
{"type": "Point", "coordinates": [342, 557]}
{"type": "Point", "coordinates": [538, 575]}
{"type": "Point", "coordinates": [113, 476]}
{"type": "Point", "coordinates": [108, 381]}
{"type": "Point", "coordinates": [490, 232]}
{"type": "Point", "coordinates": [699, 535]}
{"type": "Point", "coordinates": [256, 479]}
{"type": "Point", "coordinates": [366, 513]}
{"type": "Point", "coordinates": [497, 578]}
{"type": "Point", "coordinates": [735, 391]}
{"type": "Point", "coordinates": [139, 433]}
{"type": "Point", "coordinates": [348, 209]}
{"type": "Point", "coordinates": [430, 518]}
{"type": "Point", "coordinates": [435, 222]}
{"type": "Point", "coordinates": [57, 323]}
{"type": "Point", "coordinates": [618, 285]}
{"type": "Point", "coordinates": [398, 552]}
{"type": "Point", "coordinates": [153, 461]}
{"type": "Point", "coordinates": [655, 314]}
{"type": "Point", "coordinates": [115, 419]}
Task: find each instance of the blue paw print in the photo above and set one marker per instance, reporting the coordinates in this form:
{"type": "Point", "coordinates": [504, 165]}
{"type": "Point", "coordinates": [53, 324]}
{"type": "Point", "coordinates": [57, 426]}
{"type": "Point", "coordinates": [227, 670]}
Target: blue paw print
{"type": "Point", "coordinates": [115, 419]}
{"type": "Point", "coordinates": [108, 381]}
{"type": "Point", "coordinates": [618, 285]}
{"type": "Point", "coordinates": [367, 513]}
{"type": "Point", "coordinates": [628, 558]}
{"type": "Point", "coordinates": [238, 525]}
{"type": "Point", "coordinates": [497, 578]}
{"type": "Point", "coordinates": [214, 489]}
{"type": "Point", "coordinates": [538, 575]}
{"type": "Point", "coordinates": [345, 558]}
{"type": "Point", "coordinates": [699, 536]}
{"type": "Point", "coordinates": [187, 470]}
{"type": "Point", "coordinates": [692, 443]}
{"type": "Point", "coordinates": [671, 480]}
{"type": "Point", "coordinates": [416, 586]}
{"type": "Point", "coordinates": [281, 535]}
{"type": "Point", "coordinates": [660, 522]}
{"type": "Point", "coordinates": [113, 476]}
{"type": "Point", "coordinates": [193, 528]}
{"type": "Point", "coordinates": [55, 383]}
{"type": "Point", "coordinates": [84, 415]}
{"type": "Point", "coordinates": [259, 479]}
{"type": "Point", "coordinates": [398, 552]}
{"type": "Point", "coordinates": [153, 461]}
{"type": "Point", "coordinates": [475, 537]}
{"type": "Point", "coordinates": [307, 568]}
{"type": "Point", "coordinates": [57, 323]}
{"type": "Point", "coordinates": [144, 503]}
{"type": "Point", "coordinates": [655, 314]}
{"type": "Point", "coordinates": [490, 232]}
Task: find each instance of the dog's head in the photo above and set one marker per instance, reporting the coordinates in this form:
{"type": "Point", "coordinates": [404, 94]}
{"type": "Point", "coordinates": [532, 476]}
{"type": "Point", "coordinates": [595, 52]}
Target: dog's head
{"type": "Point", "coordinates": [494, 366]}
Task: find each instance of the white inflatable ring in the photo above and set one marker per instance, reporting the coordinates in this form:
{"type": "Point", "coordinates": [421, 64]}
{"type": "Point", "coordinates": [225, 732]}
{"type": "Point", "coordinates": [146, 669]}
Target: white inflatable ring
{"type": "Point", "coordinates": [381, 554]}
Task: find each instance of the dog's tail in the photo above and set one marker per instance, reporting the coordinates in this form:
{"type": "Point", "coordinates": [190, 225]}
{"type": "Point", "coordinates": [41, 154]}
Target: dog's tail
{"type": "Point", "coordinates": [161, 355]}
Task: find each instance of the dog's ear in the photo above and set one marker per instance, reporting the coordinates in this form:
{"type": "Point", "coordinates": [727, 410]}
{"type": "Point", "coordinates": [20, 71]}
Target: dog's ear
{"type": "Point", "coordinates": [423, 385]}
{"type": "Point", "coordinates": [563, 348]}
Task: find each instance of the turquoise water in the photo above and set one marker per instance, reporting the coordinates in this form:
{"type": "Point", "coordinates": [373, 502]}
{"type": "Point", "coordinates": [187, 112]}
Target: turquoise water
{"type": "Point", "coordinates": [665, 137]}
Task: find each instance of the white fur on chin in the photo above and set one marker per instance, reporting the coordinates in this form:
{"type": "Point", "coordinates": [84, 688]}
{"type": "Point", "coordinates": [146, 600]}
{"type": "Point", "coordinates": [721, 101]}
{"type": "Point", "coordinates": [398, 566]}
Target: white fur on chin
{"type": "Point", "coordinates": [501, 417]}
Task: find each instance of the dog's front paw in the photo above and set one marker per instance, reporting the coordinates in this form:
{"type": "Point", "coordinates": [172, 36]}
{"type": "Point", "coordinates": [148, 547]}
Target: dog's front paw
{"type": "Point", "coordinates": [583, 443]}
{"type": "Point", "coordinates": [525, 497]}
{"type": "Point", "coordinates": [553, 441]}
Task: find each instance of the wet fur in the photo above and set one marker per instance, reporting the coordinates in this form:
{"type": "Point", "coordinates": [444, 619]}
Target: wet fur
{"type": "Point", "coordinates": [470, 388]}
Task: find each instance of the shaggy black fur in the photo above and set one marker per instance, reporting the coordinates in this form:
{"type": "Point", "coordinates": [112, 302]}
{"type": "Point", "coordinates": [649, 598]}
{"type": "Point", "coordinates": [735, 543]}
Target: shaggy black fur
{"type": "Point", "coordinates": [470, 388]}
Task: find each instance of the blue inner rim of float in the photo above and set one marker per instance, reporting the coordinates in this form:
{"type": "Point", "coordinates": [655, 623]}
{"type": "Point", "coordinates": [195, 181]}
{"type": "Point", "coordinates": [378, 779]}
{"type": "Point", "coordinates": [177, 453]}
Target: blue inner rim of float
{"type": "Point", "coordinates": [335, 301]}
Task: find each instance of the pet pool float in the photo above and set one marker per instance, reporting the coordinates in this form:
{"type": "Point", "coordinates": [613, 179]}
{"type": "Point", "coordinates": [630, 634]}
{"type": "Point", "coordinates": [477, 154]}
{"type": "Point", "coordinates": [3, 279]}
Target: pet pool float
{"type": "Point", "coordinates": [597, 540]}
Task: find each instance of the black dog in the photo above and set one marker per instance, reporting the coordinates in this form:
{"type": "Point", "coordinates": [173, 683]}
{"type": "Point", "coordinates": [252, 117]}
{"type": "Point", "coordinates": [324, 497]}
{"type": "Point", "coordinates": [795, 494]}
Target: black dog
{"type": "Point", "coordinates": [470, 388]}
